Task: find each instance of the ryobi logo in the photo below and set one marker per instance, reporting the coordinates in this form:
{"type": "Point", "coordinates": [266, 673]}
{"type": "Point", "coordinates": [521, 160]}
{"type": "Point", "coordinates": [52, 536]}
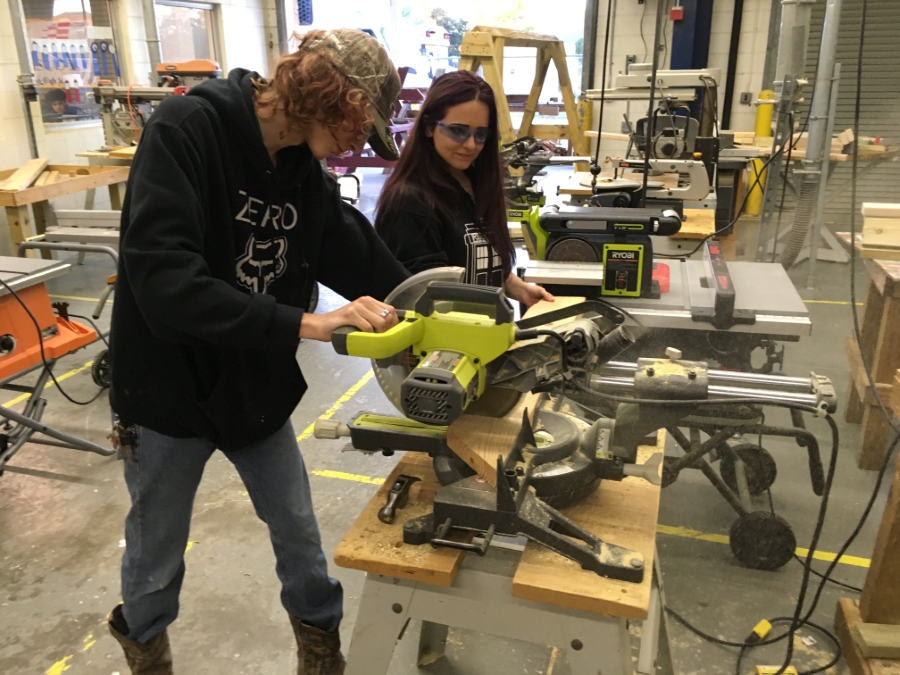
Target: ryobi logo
{"type": "Point", "coordinates": [515, 214]}
{"type": "Point", "coordinates": [623, 255]}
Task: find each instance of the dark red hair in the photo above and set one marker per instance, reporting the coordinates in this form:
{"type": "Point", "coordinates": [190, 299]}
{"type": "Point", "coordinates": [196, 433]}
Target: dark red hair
{"type": "Point", "coordinates": [421, 169]}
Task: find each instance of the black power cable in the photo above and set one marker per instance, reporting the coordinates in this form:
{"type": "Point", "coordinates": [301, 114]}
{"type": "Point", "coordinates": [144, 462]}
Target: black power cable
{"type": "Point", "coordinates": [47, 365]}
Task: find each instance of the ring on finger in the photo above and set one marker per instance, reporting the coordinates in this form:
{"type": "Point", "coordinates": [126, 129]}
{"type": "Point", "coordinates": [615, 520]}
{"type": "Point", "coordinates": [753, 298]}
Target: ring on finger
{"type": "Point", "coordinates": [385, 312]}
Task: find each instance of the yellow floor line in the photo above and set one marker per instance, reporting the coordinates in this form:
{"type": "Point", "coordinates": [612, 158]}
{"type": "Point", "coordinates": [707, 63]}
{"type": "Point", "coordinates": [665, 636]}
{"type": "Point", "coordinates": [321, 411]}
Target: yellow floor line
{"type": "Point", "coordinates": [340, 475]}
{"type": "Point", "coordinates": [350, 393]}
{"type": "Point", "coordinates": [661, 529]}
{"type": "Point", "coordinates": [831, 302]}
{"type": "Point", "coordinates": [59, 378]}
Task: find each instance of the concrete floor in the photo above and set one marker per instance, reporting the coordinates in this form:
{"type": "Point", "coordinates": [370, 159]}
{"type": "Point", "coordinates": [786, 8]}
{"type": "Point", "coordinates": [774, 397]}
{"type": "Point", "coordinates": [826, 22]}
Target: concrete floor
{"type": "Point", "coordinates": [61, 515]}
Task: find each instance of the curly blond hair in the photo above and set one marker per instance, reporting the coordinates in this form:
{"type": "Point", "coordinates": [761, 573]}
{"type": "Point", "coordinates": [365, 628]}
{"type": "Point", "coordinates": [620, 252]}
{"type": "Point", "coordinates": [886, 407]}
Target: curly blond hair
{"type": "Point", "coordinates": [308, 86]}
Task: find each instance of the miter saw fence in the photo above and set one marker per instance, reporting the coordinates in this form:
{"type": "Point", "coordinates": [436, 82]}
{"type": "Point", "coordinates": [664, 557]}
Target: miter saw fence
{"type": "Point", "coordinates": [513, 508]}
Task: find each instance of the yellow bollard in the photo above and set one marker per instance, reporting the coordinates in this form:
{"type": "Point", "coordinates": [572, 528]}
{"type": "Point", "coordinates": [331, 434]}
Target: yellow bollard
{"type": "Point", "coordinates": [763, 129]}
{"type": "Point", "coordinates": [764, 113]}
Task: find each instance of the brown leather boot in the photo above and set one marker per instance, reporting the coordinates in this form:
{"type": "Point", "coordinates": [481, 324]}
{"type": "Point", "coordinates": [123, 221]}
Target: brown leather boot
{"type": "Point", "coordinates": [153, 658]}
{"type": "Point", "coordinates": [318, 652]}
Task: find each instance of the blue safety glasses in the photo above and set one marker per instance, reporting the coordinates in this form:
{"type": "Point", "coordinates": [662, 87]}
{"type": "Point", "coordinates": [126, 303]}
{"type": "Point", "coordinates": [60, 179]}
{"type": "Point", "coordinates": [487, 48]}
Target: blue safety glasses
{"type": "Point", "coordinates": [460, 133]}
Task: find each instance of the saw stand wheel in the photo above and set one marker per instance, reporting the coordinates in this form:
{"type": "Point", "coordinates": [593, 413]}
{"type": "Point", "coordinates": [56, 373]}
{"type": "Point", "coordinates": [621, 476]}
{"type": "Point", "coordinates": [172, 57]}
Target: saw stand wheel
{"type": "Point", "coordinates": [762, 540]}
{"type": "Point", "coordinates": [759, 464]}
{"type": "Point", "coordinates": [100, 369]}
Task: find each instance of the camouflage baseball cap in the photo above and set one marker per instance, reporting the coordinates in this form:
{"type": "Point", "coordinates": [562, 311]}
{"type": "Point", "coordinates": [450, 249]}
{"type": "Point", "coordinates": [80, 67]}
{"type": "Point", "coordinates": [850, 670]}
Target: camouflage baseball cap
{"type": "Point", "coordinates": [367, 65]}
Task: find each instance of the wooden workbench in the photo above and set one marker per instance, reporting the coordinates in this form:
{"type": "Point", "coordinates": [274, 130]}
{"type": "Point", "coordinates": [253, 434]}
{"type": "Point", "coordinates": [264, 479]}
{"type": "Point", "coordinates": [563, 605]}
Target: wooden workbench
{"type": "Point", "coordinates": [880, 599]}
{"type": "Point", "coordinates": [880, 334]}
{"type": "Point", "coordinates": [69, 179]}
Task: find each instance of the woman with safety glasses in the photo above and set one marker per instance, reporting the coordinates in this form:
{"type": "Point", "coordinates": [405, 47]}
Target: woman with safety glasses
{"type": "Point", "coordinates": [443, 205]}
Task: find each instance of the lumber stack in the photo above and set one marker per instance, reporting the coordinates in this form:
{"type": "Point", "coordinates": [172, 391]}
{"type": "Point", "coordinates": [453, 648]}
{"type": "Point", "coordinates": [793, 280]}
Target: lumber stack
{"type": "Point", "coordinates": [881, 225]}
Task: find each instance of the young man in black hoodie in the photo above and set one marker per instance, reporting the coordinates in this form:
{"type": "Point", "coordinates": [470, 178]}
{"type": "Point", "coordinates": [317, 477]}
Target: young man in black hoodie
{"type": "Point", "coordinates": [228, 222]}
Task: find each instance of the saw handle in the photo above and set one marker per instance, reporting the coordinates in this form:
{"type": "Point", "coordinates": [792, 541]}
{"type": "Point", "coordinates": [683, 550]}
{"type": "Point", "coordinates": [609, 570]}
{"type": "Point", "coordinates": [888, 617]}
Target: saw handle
{"type": "Point", "coordinates": [377, 345]}
{"type": "Point", "coordinates": [487, 296]}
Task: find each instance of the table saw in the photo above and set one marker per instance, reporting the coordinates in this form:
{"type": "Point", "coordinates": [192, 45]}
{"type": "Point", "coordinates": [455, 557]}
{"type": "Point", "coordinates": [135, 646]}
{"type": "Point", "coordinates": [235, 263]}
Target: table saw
{"type": "Point", "coordinates": [707, 308]}
{"type": "Point", "coordinates": [32, 337]}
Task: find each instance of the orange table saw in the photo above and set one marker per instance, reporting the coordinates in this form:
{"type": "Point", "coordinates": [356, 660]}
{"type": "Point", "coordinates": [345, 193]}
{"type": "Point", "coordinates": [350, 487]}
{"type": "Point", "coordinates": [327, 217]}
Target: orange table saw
{"type": "Point", "coordinates": [32, 340]}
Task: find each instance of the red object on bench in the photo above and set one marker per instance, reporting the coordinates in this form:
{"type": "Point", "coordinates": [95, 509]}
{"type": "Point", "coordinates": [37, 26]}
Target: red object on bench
{"type": "Point", "coordinates": [661, 274]}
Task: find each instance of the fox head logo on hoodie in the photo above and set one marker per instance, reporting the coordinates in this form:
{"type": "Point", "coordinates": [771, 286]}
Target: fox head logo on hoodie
{"type": "Point", "coordinates": [262, 263]}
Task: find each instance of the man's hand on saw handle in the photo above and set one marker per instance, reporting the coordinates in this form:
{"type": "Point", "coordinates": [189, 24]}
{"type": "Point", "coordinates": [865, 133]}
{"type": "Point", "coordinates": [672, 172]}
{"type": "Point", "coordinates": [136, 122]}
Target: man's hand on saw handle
{"type": "Point", "coordinates": [365, 313]}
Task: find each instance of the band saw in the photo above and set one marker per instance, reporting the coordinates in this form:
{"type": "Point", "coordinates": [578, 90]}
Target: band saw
{"type": "Point", "coordinates": [457, 351]}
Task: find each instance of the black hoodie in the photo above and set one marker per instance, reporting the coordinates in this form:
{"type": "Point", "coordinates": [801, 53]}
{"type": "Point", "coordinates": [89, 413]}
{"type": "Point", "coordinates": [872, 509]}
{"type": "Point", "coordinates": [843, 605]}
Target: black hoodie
{"type": "Point", "coordinates": [219, 253]}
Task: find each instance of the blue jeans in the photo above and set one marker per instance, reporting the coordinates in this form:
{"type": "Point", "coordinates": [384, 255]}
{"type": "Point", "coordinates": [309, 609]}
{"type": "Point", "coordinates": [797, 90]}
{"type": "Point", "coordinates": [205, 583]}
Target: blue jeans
{"type": "Point", "coordinates": [163, 478]}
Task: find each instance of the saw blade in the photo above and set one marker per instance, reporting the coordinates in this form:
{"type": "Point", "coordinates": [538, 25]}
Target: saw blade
{"type": "Point", "coordinates": [405, 296]}
{"type": "Point", "coordinates": [494, 402]}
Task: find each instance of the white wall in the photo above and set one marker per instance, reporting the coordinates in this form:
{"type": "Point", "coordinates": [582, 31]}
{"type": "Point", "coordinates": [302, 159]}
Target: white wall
{"type": "Point", "coordinates": [627, 40]}
{"type": "Point", "coordinates": [248, 38]}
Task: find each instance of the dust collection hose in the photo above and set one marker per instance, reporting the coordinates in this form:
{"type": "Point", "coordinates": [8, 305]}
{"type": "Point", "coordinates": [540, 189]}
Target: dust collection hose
{"type": "Point", "coordinates": [803, 215]}
{"type": "Point", "coordinates": [614, 343]}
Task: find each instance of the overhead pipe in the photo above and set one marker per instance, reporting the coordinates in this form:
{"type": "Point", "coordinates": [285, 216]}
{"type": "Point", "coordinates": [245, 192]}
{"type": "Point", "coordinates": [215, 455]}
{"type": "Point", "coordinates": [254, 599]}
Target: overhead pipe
{"type": "Point", "coordinates": [818, 144]}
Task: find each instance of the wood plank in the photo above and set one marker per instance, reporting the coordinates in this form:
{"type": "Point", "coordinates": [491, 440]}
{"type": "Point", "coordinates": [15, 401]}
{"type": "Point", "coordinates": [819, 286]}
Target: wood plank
{"type": "Point", "coordinates": [91, 177]}
{"type": "Point", "coordinates": [542, 64]}
{"type": "Point", "coordinates": [607, 135]}
{"type": "Point", "coordinates": [623, 513]}
{"type": "Point", "coordinates": [480, 440]}
{"type": "Point", "coordinates": [124, 153]}
{"type": "Point", "coordinates": [372, 546]}
{"type": "Point", "coordinates": [877, 640]}
{"type": "Point", "coordinates": [881, 232]}
{"type": "Point", "coordinates": [19, 225]}
{"type": "Point", "coordinates": [880, 599]}
{"type": "Point", "coordinates": [846, 617]}
{"type": "Point", "coordinates": [699, 223]}
{"type": "Point", "coordinates": [42, 179]}
{"type": "Point", "coordinates": [52, 178]}
{"type": "Point", "coordinates": [880, 210]}
{"type": "Point", "coordinates": [25, 175]}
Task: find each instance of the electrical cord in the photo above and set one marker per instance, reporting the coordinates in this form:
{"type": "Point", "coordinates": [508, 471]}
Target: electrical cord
{"type": "Point", "coordinates": [849, 587]}
{"type": "Point", "coordinates": [40, 333]}
{"type": "Point", "coordinates": [603, 86]}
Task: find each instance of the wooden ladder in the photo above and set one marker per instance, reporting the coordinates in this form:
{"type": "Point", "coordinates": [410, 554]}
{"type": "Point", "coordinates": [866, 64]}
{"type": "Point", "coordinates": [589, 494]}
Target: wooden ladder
{"type": "Point", "coordinates": [483, 47]}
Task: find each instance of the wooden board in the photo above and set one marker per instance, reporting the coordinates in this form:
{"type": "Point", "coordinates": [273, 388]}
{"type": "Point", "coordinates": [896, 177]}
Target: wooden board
{"type": "Point", "coordinates": [42, 179]}
{"type": "Point", "coordinates": [881, 232]}
{"type": "Point", "coordinates": [25, 175]}
{"type": "Point", "coordinates": [72, 179]}
{"type": "Point", "coordinates": [480, 440]}
{"type": "Point", "coordinates": [580, 183]}
{"type": "Point", "coordinates": [700, 223]}
{"type": "Point", "coordinates": [846, 617]}
{"type": "Point", "coordinates": [372, 546]}
{"type": "Point", "coordinates": [858, 376]}
{"type": "Point", "coordinates": [124, 153]}
{"type": "Point", "coordinates": [622, 513]}
{"type": "Point", "coordinates": [607, 135]}
{"type": "Point", "coordinates": [877, 640]}
{"type": "Point", "coordinates": [878, 210]}
{"type": "Point", "coordinates": [885, 274]}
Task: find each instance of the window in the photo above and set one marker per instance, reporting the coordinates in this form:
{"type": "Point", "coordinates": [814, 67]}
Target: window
{"type": "Point", "coordinates": [71, 44]}
{"type": "Point", "coordinates": [187, 30]}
